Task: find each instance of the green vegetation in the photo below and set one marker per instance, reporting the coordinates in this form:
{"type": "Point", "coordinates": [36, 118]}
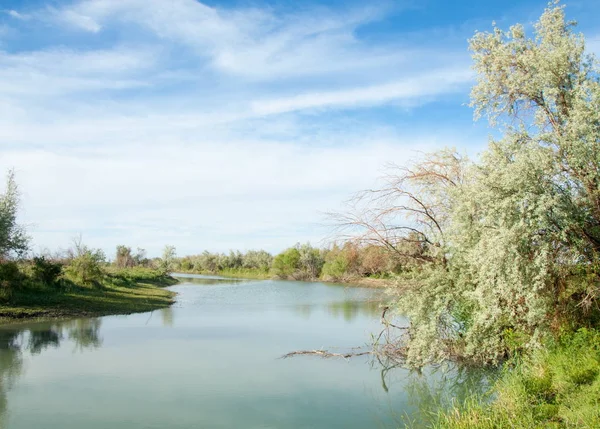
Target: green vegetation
{"type": "Point", "coordinates": [501, 256]}
{"type": "Point", "coordinates": [349, 263]}
{"type": "Point", "coordinates": [114, 291]}
{"type": "Point", "coordinates": [505, 250]}
{"type": "Point", "coordinates": [79, 283]}
{"type": "Point", "coordinates": [558, 387]}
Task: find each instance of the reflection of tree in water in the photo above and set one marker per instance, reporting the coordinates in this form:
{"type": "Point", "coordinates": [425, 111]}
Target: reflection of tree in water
{"type": "Point", "coordinates": [435, 389]}
{"type": "Point", "coordinates": [34, 340]}
{"type": "Point", "coordinates": [167, 317]}
{"type": "Point", "coordinates": [304, 310]}
{"type": "Point", "coordinates": [84, 333]}
{"type": "Point", "coordinates": [350, 309]}
{"type": "Point", "coordinates": [11, 364]}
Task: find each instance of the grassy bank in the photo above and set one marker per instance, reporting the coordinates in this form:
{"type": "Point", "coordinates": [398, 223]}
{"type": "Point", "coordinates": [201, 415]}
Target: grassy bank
{"type": "Point", "coordinates": [558, 387]}
{"type": "Point", "coordinates": [119, 292]}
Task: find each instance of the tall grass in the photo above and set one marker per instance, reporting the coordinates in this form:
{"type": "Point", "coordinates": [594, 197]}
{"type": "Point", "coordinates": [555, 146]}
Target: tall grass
{"type": "Point", "coordinates": [558, 387]}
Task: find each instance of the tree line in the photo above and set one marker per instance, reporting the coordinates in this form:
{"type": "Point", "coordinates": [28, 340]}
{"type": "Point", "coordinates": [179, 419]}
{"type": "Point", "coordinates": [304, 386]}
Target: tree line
{"type": "Point", "coordinates": [344, 262]}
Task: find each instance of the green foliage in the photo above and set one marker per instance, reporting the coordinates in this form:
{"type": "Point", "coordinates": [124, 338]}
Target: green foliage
{"type": "Point", "coordinates": [287, 263]}
{"type": "Point", "coordinates": [301, 262]}
{"type": "Point", "coordinates": [559, 388]}
{"type": "Point", "coordinates": [128, 290]}
{"type": "Point", "coordinates": [167, 262]}
{"type": "Point", "coordinates": [13, 239]}
{"type": "Point", "coordinates": [45, 270]}
{"type": "Point", "coordinates": [11, 278]}
{"type": "Point", "coordinates": [87, 268]}
{"type": "Point", "coordinates": [510, 244]}
{"type": "Point", "coordinates": [336, 266]}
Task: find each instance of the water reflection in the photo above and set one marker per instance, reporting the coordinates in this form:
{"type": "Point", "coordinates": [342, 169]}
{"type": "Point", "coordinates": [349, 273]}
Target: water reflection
{"type": "Point", "coordinates": [350, 309]}
{"type": "Point", "coordinates": [16, 341]}
{"type": "Point", "coordinates": [148, 369]}
{"type": "Point", "coordinates": [441, 387]}
{"type": "Point", "coordinates": [11, 365]}
{"type": "Point", "coordinates": [201, 279]}
{"type": "Point", "coordinates": [166, 314]}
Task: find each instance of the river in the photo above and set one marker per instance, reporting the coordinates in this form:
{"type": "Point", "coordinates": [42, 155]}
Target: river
{"type": "Point", "coordinates": [210, 361]}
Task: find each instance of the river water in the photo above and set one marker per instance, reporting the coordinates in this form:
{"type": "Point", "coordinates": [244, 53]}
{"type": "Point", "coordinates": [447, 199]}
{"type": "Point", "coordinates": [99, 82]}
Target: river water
{"type": "Point", "coordinates": [210, 361]}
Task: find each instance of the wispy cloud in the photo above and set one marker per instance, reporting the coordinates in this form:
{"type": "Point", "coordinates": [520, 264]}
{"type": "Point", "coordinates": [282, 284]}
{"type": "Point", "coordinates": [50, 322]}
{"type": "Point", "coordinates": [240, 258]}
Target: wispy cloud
{"type": "Point", "coordinates": [410, 88]}
{"type": "Point", "coordinates": [17, 15]}
{"type": "Point", "coordinates": [145, 121]}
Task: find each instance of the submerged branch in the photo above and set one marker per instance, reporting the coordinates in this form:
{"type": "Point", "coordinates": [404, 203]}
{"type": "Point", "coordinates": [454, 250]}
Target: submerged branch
{"type": "Point", "coordinates": [391, 351]}
{"type": "Point", "coordinates": [325, 354]}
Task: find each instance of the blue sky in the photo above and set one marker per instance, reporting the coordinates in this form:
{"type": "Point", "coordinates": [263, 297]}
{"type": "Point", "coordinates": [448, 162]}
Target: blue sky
{"type": "Point", "coordinates": [229, 124]}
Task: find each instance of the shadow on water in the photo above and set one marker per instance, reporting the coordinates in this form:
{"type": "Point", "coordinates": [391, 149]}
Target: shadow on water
{"type": "Point", "coordinates": [16, 341]}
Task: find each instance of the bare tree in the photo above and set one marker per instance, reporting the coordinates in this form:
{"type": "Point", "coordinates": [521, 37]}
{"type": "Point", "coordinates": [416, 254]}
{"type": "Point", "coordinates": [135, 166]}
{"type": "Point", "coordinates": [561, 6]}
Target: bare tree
{"type": "Point", "coordinates": [408, 213]}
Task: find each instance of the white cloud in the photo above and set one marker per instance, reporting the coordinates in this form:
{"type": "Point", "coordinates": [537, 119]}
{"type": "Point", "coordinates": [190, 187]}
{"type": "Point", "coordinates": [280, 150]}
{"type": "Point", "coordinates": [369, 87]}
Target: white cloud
{"type": "Point", "coordinates": [80, 21]}
{"type": "Point", "coordinates": [17, 15]}
{"type": "Point", "coordinates": [410, 88]}
{"type": "Point", "coordinates": [176, 122]}
{"type": "Point", "coordinates": [261, 194]}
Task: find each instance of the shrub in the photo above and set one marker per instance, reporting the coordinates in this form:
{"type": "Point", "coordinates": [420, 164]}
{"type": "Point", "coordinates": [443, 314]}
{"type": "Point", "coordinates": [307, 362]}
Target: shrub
{"type": "Point", "coordinates": [87, 267]}
{"type": "Point", "coordinates": [10, 278]}
{"type": "Point", "coordinates": [286, 263]}
{"type": "Point", "coordinates": [45, 270]}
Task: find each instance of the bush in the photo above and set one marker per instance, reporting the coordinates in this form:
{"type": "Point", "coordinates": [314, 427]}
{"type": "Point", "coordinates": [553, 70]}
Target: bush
{"type": "Point", "coordinates": [286, 263]}
{"type": "Point", "coordinates": [45, 270]}
{"type": "Point", "coordinates": [87, 267]}
{"type": "Point", "coordinates": [10, 278]}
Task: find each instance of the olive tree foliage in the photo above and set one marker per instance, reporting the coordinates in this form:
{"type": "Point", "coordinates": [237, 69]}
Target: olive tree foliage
{"type": "Point", "coordinates": [509, 246]}
{"type": "Point", "coordinates": [13, 238]}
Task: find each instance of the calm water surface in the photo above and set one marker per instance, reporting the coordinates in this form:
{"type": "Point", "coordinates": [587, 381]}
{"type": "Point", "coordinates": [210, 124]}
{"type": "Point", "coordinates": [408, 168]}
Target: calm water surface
{"type": "Point", "coordinates": [210, 361]}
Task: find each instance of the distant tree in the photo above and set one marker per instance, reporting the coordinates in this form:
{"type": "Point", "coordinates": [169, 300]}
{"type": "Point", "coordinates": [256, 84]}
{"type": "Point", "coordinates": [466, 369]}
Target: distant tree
{"type": "Point", "coordinates": [124, 258]}
{"type": "Point", "coordinates": [13, 238]}
{"type": "Point", "coordinates": [168, 258]}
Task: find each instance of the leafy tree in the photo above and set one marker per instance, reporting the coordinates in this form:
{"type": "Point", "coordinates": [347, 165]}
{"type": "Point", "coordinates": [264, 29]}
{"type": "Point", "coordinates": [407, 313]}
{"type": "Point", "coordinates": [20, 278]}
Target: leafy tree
{"type": "Point", "coordinates": [13, 239]}
{"type": "Point", "coordinates": [509, 247]}
{"type": "Point", "coordinates": [287, 263]}
{"type": "Point", "coordinates": [168, 259]}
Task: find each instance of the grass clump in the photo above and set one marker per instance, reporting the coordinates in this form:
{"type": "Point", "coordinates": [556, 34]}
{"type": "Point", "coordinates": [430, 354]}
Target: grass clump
{"type": "Point", "coordinates": [555, 388]}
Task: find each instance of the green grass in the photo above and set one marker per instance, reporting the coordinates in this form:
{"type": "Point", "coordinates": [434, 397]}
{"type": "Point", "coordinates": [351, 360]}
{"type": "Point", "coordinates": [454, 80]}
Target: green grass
{"type": "Point", "coordinates": [121, 292]}
{"type": "Point", "coordinates": [556, 388]}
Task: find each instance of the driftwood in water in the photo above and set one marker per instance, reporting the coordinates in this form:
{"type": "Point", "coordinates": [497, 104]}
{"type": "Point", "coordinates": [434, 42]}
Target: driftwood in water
{"type": "Point", "coordinates": [390, 349]}
{"type": "Point", "coordinates": [325, 354]}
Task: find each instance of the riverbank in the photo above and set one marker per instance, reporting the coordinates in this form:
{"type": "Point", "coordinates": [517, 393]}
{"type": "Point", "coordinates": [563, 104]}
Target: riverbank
{"type": "Point", "coordinates": [122, 292]}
